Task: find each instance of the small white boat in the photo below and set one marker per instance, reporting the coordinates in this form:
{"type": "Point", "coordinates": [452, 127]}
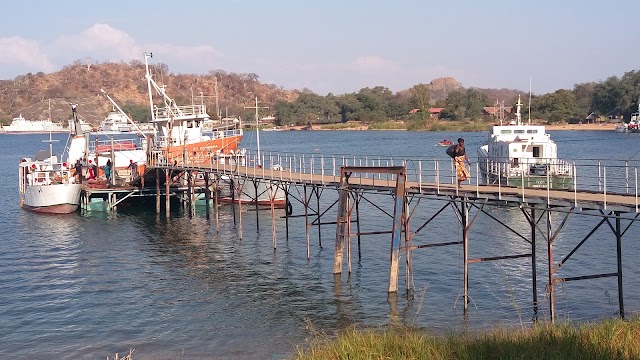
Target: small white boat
{"type": "Point", "coordinates": [634, 124]}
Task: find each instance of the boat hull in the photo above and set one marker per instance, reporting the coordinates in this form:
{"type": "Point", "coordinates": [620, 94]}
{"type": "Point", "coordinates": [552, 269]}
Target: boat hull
{"type": "Point", "coordinates": [531, 181]}
{"type": "Point", "coordinates": [53, 199]}
{"type": "Point", "coordinates": [202, 151]}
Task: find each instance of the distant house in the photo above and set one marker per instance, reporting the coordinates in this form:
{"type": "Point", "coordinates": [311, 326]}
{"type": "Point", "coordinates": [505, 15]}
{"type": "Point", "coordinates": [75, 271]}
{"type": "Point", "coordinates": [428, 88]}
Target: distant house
{"type": "Point", "coordinates": [494, 111]}
{"type": "Point", "coordinates": [592, 118]}
{"type": "Point", "coordinates": [434, 112]}
{"type": "Point", "coordinates": [615, 116]}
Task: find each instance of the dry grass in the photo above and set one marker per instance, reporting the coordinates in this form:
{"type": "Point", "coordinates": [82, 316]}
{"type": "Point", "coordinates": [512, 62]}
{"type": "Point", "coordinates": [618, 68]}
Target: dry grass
{"type": "Point", "coordinates": [611, 339]}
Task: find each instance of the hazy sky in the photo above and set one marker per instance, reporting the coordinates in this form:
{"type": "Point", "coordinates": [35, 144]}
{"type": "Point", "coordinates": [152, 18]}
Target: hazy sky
{"type": "Point", "coordinates": [336, 46]}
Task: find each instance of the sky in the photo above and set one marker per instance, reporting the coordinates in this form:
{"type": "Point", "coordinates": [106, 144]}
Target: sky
{"type": "Point", "coordinates": [332, 46]}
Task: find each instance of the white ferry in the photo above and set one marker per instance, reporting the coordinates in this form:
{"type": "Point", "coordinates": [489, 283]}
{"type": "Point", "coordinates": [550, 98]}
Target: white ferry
{"type": "Point", "coordinates": [22, 125]}
{"type": "Point", "coordinates": [115, 121]}
{"type": "Point", "coordinates": [523, 156]}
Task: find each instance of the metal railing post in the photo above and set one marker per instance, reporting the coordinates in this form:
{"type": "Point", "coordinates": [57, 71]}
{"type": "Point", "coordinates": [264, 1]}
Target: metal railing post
{"type": "Point", "coordinates": [636, 173]}
{"type": "Point", "coordinates": [604, 178]}
{"type": "Point", "coordinates": [419, 175]}
{"type": "Point", "coordinates": [626, 174]}
{"type": "Point", "coordinates": [599, 177]}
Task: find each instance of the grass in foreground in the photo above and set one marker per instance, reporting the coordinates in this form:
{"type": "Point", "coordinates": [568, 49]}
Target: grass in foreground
{"type": "Point", "coordinates": [611, 339]}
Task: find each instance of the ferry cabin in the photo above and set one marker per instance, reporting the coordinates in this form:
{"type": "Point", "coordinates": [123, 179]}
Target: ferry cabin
{"type": "Point", "coordinates": [525, 142]}
{"type": "Point", "coordinates": [523, 150]}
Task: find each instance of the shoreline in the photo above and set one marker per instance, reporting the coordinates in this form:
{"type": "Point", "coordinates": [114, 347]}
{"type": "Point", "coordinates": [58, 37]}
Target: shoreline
{"type": "Point", "coordinates": [555, 127]}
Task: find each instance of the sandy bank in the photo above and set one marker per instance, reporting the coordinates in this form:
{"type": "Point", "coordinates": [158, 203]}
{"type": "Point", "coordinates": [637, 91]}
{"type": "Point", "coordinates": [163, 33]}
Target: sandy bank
{"type": "Point", "coordinates": [606, 127]}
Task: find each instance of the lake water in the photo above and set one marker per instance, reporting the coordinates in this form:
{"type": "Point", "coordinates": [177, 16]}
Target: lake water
{"type": "Point", "coordinates": [87, 286]}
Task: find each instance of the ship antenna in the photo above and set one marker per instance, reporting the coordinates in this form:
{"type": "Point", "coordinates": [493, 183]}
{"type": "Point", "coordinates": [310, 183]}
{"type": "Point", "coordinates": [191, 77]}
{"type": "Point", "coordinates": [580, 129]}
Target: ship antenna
{"type": "Point", "coordinates": [529, 100]}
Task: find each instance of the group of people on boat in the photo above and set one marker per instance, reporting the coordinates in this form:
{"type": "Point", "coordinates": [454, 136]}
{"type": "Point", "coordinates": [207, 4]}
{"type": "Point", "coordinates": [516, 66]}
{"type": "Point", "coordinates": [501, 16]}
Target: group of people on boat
{"type": "Point", "coordinates": [91, 173]}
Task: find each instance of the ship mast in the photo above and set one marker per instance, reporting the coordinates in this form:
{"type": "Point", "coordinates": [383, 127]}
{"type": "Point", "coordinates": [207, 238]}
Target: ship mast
{"type": "Point", "coordinates": [50, 141]}
{"type": "Point", "coordinates": [518, 115]}
{"type": "Point", "coordinates": [259, 162]}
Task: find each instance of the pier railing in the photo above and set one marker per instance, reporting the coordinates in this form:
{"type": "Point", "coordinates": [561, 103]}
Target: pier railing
{"type": "Point", "coordinates": [589, 175]}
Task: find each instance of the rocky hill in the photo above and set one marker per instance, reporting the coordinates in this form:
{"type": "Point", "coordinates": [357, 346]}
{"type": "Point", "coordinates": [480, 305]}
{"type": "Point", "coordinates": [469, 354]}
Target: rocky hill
{"type": "Point", "coordinates": [81, 83]}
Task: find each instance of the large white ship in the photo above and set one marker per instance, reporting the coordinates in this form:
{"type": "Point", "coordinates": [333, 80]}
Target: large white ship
{"type": "Point", "coordinates": [22, 125]}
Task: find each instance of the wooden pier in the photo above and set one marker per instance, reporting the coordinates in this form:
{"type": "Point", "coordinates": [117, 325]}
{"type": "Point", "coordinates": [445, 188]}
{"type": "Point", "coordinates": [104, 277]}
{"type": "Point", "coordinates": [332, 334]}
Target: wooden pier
{"type": "Point", "coordinates": [408, 184]}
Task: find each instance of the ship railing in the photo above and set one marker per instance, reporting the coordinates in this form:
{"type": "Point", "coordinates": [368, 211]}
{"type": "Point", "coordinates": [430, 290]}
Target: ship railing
{"type": "Point", "coordinates": [517, 167]}
{"type": "Point", "coordinates": [193, 111]}
{"type": "Point", "coordinates": [592, 175]}
{"type": "Point", "coordinates": [104, 146]}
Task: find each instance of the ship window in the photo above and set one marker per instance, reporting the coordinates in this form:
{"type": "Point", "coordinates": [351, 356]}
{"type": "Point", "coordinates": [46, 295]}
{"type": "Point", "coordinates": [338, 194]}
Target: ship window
{"type": "Point", "coordinates": [536, 151]}
{"type": "Point", "coordinates": [518, 131]}
{"type": "Point", "coordinates": [532, 131]}
{"type": "Point", "coordinates": [505, 131]}
{"type": "Point", "coordinates": [515, 150]}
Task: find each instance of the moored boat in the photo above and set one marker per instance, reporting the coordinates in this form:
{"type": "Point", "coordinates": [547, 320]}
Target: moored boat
{"type": "Point", "coordinates": [523, 156]}
{"type": "Point", "coordinates": [21, 125]}
{"type": "Point", "coordinates": [46, 185]}
{"type": "Point", "coordinates": [445, 142]}
{"type": "Point", "coordinates": [115, 122]}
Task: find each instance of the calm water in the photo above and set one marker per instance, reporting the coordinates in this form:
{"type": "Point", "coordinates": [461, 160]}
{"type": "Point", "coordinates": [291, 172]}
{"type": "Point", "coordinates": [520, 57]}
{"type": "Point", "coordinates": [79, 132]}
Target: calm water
{"type": "Point", "coordinates": [88, 286]}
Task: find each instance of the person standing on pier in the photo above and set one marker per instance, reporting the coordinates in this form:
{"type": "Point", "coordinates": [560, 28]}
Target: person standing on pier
{"type": "Point", "coordinates": [459, 158]}
{"type": "Point", "coordinates": [133, 167]}
{"type": "Point", "coordinates": [78, 168]}
{"type": "Point", "coordinates": [107, 171]}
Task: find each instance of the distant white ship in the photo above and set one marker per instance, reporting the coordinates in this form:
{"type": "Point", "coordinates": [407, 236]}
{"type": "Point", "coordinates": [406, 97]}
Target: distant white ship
{"type": "Point", "coordinates": [115, 121]}
{"type": "Point", "coordinates": [22, 125]}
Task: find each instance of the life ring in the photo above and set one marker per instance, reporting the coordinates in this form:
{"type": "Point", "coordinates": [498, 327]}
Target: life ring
{"type": "Point", "coordinates": [289, 208]}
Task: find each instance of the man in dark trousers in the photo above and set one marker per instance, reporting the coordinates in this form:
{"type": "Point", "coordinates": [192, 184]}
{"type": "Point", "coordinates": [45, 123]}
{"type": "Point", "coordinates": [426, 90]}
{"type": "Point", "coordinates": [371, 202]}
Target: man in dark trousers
{"type": "Point", "coordinates": [78, 167]}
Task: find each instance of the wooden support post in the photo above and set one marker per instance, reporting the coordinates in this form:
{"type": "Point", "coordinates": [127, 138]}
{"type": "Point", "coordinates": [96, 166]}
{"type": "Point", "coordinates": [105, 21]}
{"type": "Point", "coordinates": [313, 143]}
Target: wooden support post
{"type": "Point", "coordinates": [319, 220]}
{"type": "Point", "coordinates": [216, 191]}
{"type": "Point", "coordinates": [167, 193]}
{"type": "Point", "coordinates": [407, 242]}
{"type": "Point", "coordinates": [240, 209]}
{"type": "Point", "coordinates": [343, 195]}
{"type": "Point", "coordinates": [534, 276]}
{"type": "Point", "coordinates": [349, 235]}
{"type": "Point", "coordinates": [255, 188]}
{"type": "Point", "coordinates": [207, 195]}
{"type": "Point", "coordinates": [465, 251]}
{"type": "Point", "coordinates": [189, 202]}
{"type": "Point", "coordinates": [232, 185]}
{"type": "Point", "coordinates": [619, 261]}
{"type": "Point", "coordinates": [286, 214]}
{"type": "Point", "coordinates": [396, 234]}
{"type": "Point", "coordinates": [272, 196]}
{"type": "Point", "coordinates": [306, 220]}
{"type": "Point", "coordinates": [157, 191]}
{"type": "Point", "coordinates": [357, 204]}
{"type": "Point", "coordinates": [551, 284]}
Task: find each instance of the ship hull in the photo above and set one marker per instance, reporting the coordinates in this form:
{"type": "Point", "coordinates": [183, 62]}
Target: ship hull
{"type": "Point", "coordinates": [53, 199]}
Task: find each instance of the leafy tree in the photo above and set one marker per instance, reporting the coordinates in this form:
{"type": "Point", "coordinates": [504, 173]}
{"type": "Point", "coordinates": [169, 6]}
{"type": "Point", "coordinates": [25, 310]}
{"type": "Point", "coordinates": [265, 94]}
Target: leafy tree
{"type": "Point", "coordinates": [464, 104]}
{"type": "Point", "coordinates": [421, 94]}
{"type": "Point", "coordinates": [555, 107]}
{"type": "Point", "coordinates": [349, 106]}
{"type": "Point", "coordinates": [584, 97]}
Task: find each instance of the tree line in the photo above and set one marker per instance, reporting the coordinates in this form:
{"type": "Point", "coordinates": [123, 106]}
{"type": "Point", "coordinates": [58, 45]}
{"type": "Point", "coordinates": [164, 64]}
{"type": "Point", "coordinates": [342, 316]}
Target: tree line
{"type": "Point", "coordinates": [379, 104]}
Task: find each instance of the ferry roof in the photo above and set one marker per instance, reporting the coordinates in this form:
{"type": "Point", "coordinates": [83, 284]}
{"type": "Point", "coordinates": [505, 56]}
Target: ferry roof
{"type": "Point", "coordinates": [503, 130]}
